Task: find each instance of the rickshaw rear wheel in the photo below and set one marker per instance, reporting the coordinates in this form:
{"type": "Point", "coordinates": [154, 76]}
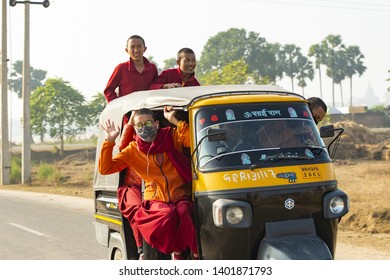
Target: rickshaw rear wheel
{"type": "Point", "coordinates": [118, 254]}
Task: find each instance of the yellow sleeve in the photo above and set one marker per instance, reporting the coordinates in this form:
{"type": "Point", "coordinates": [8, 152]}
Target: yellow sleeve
{"type": "Point", "coordinates": [181, 134]}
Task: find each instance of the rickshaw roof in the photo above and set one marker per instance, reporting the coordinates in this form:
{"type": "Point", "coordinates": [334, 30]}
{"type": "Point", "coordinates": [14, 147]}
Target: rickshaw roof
{"type": "Point", "coordinates": [179, 97]}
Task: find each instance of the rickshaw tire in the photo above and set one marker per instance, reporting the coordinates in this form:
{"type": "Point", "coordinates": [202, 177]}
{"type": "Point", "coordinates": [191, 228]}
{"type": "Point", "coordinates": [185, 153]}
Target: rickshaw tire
{"type": "Point", "coordinates": [118, 255]}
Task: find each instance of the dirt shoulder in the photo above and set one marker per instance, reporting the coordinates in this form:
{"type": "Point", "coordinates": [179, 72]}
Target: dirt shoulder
{"type": "Point", "coordinates": [353, 245]}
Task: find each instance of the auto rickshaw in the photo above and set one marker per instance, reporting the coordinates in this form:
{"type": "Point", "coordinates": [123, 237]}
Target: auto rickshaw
{"type": "Point", "coordinates": [263, 186]}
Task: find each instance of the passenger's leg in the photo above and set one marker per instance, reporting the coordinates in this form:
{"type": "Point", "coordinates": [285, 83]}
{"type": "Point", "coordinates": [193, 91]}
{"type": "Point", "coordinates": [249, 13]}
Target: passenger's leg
{"type": "Point", "coordinates": [129, 202]}
{"type": "Point", "coordinates": [186, 235]}
{"type": "Point", "coordinates": [157, 223]}
{"type": "Point", "coordinates": [168, 227]}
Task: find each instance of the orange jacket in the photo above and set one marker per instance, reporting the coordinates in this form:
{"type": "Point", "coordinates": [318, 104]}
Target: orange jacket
{"type": "Point", "coordinates": [162, 180]}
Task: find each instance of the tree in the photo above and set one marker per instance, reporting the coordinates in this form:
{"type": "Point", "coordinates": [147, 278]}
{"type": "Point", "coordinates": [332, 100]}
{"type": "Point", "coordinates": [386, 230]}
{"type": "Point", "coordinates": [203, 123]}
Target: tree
{"type": "Point", "coordinates": [59, 110]}
{"type": "Point", "coordinates": [291, 54]}
{"type": "Point", "coordinates": [339, 71]}
{"type": "Point", "coordinates": [236, 44]}
{"type": "Point", "coordinates": [318, 53]}
{"type": "Point", "coordinates": [388, 89]}
{"type": "Point", "coordinates": [16, 80]}
{"type": "Point", "coordinates": [333, 47]}
{"type": "Point", "coordinates": [305, 71]}
{"type": "Point", "coordinates": [380, 108]}
{"type": "Point", "coordinates": [235, 72]}
{"type": "Point", "coordinates": [151, 59]}
{"type": "Point", "coordinates": [222, 49]}
{"type": "Point", "coordinates": [264, 59]}
{"type": "Point", "coordinates": [354, 65]}
{"type": "Point", "coordinates": [170, 63]}
{"type": "Point", "coordinates": [95, 107]}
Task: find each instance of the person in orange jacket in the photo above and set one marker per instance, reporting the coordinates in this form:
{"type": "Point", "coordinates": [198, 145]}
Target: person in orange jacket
{"type": "Point", "coordinates": [165, 218]}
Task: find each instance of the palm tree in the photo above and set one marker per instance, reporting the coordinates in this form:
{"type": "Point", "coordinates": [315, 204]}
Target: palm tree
{"type": "Point", "coordinates": [388, 89]}
{"type": "Point", "coordinates": [339, 71]}
{"type": "Point", "coordinates": [333, 47]}
{"type": "Point", "coordinates": [318, 53]}
{"type": "Point", "coordinates": [354, 66]}
{"type": "Point", "coordinates": [291, 54]}
{"type": "Point", "coordinates": [305, 71]}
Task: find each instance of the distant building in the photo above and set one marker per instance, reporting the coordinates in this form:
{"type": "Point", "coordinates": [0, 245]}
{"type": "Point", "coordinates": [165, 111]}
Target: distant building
{"type": "Point", "coordinates": [360, 115]}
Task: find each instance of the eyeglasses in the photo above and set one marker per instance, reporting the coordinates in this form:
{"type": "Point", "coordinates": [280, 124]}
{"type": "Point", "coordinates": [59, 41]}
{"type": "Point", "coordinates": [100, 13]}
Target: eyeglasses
{"type": "Point", "coordinates": [148, 123]}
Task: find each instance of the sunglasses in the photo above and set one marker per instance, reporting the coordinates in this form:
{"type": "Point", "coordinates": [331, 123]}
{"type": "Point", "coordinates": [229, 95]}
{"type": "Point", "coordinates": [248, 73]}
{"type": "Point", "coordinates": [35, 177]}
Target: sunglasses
{"type": "Point", "coordinates": [148, 123]}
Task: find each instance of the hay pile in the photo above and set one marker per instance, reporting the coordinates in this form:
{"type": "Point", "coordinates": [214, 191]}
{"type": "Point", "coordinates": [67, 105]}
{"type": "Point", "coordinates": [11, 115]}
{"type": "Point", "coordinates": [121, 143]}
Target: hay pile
{"type": "Point", "coordinates": [358, 141]}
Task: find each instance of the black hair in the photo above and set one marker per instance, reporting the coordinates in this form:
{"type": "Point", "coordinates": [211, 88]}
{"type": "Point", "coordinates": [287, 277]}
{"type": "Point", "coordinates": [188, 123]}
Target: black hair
{"type": "Point", "coordinates": [145, 111]}
{"type": "Point", "coordinates": [135, 37]}
{"type": "Point", "coordinates": [315, 102]}
{"type": "Point", "coordinates": [184, 50]}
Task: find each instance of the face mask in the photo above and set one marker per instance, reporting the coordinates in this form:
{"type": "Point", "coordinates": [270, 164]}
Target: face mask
{"type": "Point", "coordinates": [147, 133]}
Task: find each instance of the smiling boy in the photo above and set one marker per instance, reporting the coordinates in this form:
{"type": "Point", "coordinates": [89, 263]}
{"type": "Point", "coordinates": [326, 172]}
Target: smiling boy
{"type": "Point", "coordinates": [183, 76]}
{"type": "Point", "coordinates": [133, 75]}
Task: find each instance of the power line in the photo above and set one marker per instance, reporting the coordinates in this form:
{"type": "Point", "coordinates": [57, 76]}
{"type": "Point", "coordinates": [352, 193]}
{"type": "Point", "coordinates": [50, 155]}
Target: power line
{"type": "Point", "coordinates": [354, 3]}
{"type": "Point", "coordinates": [329, 6]}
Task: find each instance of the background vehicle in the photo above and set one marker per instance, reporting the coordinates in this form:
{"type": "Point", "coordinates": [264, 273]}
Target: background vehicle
{"type": "Point", "coordinates": [274, 199]}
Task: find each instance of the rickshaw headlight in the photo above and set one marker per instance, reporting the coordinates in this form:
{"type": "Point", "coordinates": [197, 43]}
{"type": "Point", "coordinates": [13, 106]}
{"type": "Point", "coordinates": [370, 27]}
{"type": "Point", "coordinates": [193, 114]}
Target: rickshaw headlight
{"type": "Point", "coordinates": [335, 204]}
{"type": "Point", "coordinates": [232, 213]}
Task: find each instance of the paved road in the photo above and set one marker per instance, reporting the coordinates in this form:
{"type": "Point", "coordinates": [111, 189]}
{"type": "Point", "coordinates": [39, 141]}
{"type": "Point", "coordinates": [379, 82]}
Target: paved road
{"type": "Point", "coordinates": [54, 227]}
{"type": "Point", "coordinates": [36, 226]}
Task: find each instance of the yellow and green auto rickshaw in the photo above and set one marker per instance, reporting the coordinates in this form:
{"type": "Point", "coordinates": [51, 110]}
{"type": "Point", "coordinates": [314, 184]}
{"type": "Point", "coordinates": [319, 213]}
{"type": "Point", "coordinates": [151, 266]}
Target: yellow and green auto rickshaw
{"type": "Point", "coordinates": [264, 185]}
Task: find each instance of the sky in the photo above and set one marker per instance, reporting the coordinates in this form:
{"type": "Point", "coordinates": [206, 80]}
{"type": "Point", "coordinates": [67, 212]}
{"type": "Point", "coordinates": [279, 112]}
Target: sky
{"type": "Point", "coordinates": [82, 41]}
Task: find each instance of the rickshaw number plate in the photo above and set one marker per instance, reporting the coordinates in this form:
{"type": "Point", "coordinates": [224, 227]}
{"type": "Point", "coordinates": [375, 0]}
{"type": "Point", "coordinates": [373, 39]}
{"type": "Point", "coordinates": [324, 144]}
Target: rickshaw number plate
{"type": "Point", "coordinates": [311, 172]}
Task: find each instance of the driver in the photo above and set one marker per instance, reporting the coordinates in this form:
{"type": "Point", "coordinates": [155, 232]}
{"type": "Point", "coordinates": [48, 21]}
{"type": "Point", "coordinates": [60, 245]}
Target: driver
{"type": "Point", "coordinates": [275, 134]}
{"type": "Point", "coordinates": [234, 140]}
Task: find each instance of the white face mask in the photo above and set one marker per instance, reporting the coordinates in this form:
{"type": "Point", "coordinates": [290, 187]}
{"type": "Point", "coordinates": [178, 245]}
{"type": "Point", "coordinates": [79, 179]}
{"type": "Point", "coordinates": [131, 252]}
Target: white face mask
{"type": "Point", "coordinates": [147, 133]}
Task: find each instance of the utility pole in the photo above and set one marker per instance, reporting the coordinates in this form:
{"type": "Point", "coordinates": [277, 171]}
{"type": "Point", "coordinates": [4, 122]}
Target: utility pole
{"type": "Point", "coordinates": [26, 91]}
{"type": "Point", "coordinates": [5, 165]}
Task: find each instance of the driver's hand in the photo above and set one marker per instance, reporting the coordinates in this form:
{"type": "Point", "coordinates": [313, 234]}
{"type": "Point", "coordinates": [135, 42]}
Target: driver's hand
{"type": "Point", "coordinates": [303, 129]}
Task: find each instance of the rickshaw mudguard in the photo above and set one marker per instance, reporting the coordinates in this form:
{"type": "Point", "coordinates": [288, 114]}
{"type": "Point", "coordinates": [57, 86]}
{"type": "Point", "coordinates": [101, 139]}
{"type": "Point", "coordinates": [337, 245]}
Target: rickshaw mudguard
{"type": "Point", "coordinates": [293, 240]}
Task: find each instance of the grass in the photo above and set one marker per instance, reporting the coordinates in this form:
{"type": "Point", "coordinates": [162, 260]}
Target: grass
{"type": "Point", "coordinates": [49, 174]}
{"type": "Point", "coordinates": [16, 172]}
{"type": "Point", "coordinates": [72, 175]}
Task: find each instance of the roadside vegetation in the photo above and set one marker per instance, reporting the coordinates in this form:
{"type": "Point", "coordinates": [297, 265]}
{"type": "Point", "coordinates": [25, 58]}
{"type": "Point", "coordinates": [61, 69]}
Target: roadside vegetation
{"type": "Point", "coordinates": [49, 174]}
{"type": "Point", "coordinates": [16, 167]}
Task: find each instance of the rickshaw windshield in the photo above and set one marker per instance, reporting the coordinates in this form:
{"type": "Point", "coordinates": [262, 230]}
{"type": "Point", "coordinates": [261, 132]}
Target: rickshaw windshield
{"type": "Point", "coordinates": [245, 135]}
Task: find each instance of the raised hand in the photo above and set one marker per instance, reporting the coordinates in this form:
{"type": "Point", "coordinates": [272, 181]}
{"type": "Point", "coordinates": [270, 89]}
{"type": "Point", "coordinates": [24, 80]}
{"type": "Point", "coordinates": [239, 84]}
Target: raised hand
{"type": "Point", "coordinates": [111, 131]}
{"type": "Point", "coordinates": [131, 120]}
{"type": "Point", "coordinates": [170, 115]}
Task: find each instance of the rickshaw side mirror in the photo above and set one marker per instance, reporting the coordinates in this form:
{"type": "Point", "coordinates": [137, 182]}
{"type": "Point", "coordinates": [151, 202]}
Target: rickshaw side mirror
{"type": "Point", "coordinates": [214, 135]}
{"type": "Point", "coordinates": [327, 131]}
